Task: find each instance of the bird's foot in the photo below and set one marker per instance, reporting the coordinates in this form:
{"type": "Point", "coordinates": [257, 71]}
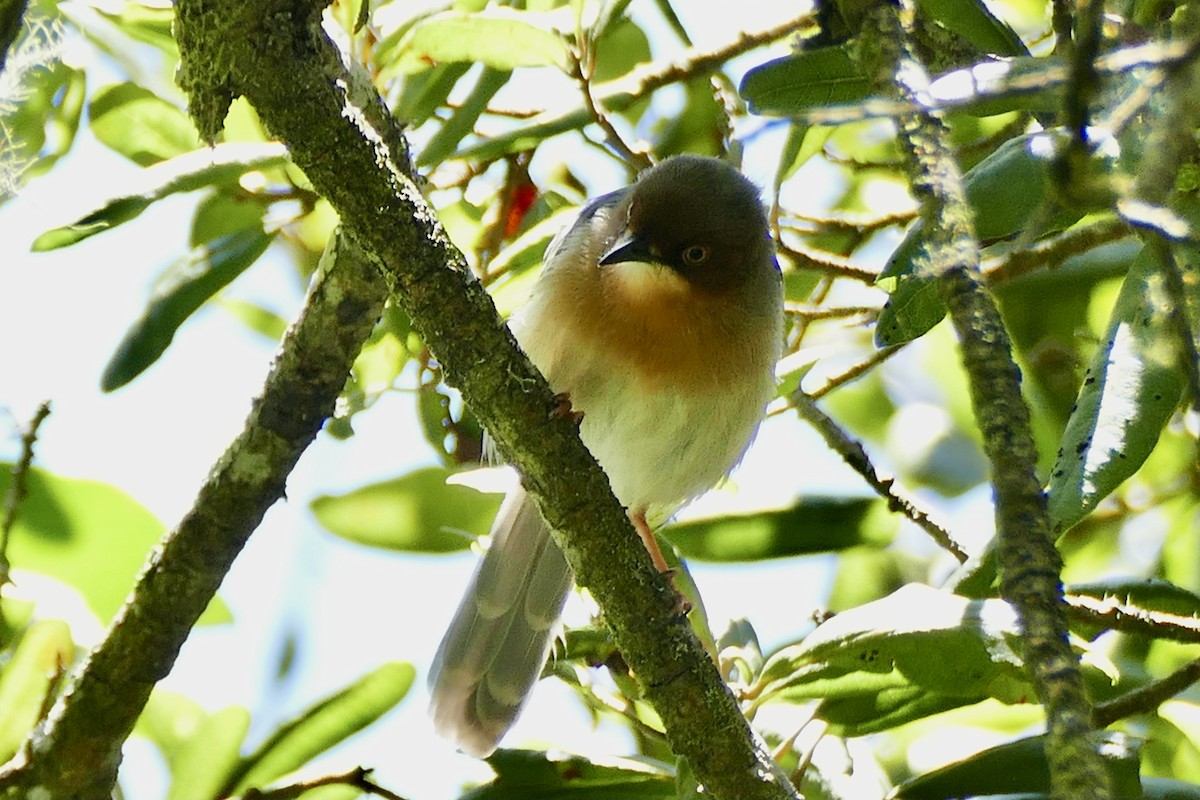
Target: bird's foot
{"type": "Point", "coordinates": [563, 408]}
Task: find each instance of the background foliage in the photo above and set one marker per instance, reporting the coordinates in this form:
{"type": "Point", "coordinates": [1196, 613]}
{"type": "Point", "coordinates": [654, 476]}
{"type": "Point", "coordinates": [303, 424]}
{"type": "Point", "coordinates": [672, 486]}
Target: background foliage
{"type": "Point", "coordinates": [516, 113]}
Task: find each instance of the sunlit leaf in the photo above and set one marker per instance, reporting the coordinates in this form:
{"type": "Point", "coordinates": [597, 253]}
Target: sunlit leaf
{"type": "Point", "coordinates": [418, 512]}
{"type": "Point", "coordinates": [140, 125]}
{"type": "Point", "coordinates": [528, 775]}
{"type": "Point", "coordinates": [181, 290]}
{"type": "Point", "coordinates": [502, 39]}
{"type": "Point", "coordinates": [812, 525]}
{"type": "Point", "coordinates": [89, 535]}
{"type": "Point", "coordinates": [40, 127]}
{"type": "Point", "coordinates": [1128, 394]}
{"type": "Point", "coordinates": [916, 652]}
{"type": "Point", "coordinates": [322, 726]}
{"type": "Point", "coordinates": [202, 766]}
{"type": "Point", "coordinates": [27, 676]}
{"type": "Point", "coordinates": [186, 173]}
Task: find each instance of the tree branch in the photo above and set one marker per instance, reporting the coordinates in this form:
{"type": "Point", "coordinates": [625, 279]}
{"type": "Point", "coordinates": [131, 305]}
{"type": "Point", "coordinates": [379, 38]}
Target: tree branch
{"type": "Point", "coordinates": [1029, 563]}
{"type": "Point", "coordinates": [77, 751]}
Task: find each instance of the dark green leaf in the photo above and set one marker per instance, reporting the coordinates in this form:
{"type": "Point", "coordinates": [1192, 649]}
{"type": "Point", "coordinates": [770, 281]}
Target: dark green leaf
{"type": "Point", "coordinates": [419, 512]}
{"type": "Point", "coordinates": [812, 525]}
{"type": "Point", "coordinates": [182, 289]}
{"type": "Point", "coordinates": [326, 724]}
{"type": "Point", "coordinates": [527, 775]}
{"type": "Point", "coordinates": [972, 20]}
{"type": "Point", "coordinates": [695, 129]}
{"type": "Point", "coordinates": [502, 39]}
{"type": "Point", "coordinates": [140, 125]}
{"type": "Point", "coordinates": [916, 652]}
{"type": "Point", "coordinates": [1007, 191]}
{"type": "Point", "coordinates": [89, 535]}
{"type": "Point", "coordinates": [196, 170]}
{"type": "Point", "coordinates": [27, 677]}
{"type": "Point", "coordinates": [1128, 394]}
{"type": "Point", "coordinates": [797, 83]}
{"type": "Point", "coordinates": [1019, 766]}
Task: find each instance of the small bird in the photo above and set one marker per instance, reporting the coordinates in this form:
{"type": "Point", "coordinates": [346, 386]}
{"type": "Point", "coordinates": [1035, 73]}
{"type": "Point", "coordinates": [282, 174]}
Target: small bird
{"type": "Point", "coordinates": [659, 313]}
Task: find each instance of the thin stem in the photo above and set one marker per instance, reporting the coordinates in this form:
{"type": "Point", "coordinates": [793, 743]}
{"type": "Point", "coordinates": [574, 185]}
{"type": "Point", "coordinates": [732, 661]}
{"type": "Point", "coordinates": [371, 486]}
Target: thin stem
{"type": "Point", "coordinates": [853, 453]}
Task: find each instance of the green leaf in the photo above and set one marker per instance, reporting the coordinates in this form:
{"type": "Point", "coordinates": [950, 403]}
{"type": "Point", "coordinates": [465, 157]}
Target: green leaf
{"type": "Point", "coordinates": [813, 525]}
{"type": "Point", "coordinates": [1020, 767]}
{"type": "Point", "coordinates": [40, 128]}
{"type": "Point", "coordinates": [182, 289]}
{"type": "Point", "coordinates": [223, 213]}
{"type": "Point", "coordinates": [418, 512]}
{"type": "Point", "coordinates": [502, 39]}
{"type": "Point", "coordinates": [28, 676]}
{"type": "Point", "coordinates": [972, 20]}
{"type": "Point", "coordinates": [140, 125]}
{"type": "Point", "coordinates": [425, 92]}
{"type": "Point", "coordinates": [217, 165]}
{"type": "Point", "coordinates": [89, 535]}
{"type": "Point", "coordinates": [1128, 394]}
{"type": "Point", "coordinates": [462, 122]}
{"type": "Point", "coordinates": [322, 726]}
{"type": "Point", "coordinates": [915, 652]}
{"type": "Point", "coordinates": [169, 720]}
{"type": "Point", "coordinates": [809, 79]}
{"type": "Point", "coordinates": [1008, 191]}
{"type": "Point", "coordinates": [202, 766]}
{"type": "Point", "coordinates": [529, 775]}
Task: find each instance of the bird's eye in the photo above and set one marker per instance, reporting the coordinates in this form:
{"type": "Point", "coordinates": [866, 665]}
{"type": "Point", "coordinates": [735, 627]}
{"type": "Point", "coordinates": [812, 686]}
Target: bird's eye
{"type": "Point", "coordinates": [695, 255]}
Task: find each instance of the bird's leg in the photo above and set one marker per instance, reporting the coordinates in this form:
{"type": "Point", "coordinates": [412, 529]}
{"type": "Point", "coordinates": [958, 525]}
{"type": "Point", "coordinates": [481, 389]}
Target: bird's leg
{"type": "Point", "coordinates": [563, 408]}
{"type": "Point", "coordinates": [638, 518]}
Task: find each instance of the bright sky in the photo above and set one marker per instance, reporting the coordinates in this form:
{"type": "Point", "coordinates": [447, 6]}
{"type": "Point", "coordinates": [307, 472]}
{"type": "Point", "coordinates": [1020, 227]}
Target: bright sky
{"type": "Point", "coordinates": [62, 313]}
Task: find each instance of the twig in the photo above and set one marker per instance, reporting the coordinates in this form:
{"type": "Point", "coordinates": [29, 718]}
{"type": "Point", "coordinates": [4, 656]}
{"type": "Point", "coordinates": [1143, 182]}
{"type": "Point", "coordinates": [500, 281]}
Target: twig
{"type": "Point", "coordinates": [357, 778]}
{"type": "Point", "coordinates": [828, 263]}
{"type": "Point", "coordinates": [862, 224]}
{"type": "Point", "coordinates": [1052, 75]}
{"type": "Point", "coordinates": [853, 453]}
{"type": "Point", "coordinates": [1128, 618]}
{"type": "Point", "coordinates": [1053, 251]}
{"type": "Point", "coordinates": [17, 487]}
{"type": "Point", "coordinates": [1147, 698]}
{"type": "Point", "coordinates": [854, 372]}
{"type": "Point", "coordinates": [583, 67]}
{"type": "Point", "coordinates": [833, 312]}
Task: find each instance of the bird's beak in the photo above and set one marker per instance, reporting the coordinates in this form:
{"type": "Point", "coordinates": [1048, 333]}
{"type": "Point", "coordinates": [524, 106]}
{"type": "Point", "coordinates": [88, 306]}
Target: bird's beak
{"type": "Point", "coordinates": [630, 248]}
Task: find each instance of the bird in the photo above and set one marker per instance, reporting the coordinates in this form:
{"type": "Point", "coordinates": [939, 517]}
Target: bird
{"type": "Point", "coordinates": [659, 314]}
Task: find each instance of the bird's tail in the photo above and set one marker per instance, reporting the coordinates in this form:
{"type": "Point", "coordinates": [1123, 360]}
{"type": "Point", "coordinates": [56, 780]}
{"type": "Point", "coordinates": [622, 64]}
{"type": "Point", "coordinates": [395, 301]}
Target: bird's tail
{"type": "Point", "coordinates": [497, 644]}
